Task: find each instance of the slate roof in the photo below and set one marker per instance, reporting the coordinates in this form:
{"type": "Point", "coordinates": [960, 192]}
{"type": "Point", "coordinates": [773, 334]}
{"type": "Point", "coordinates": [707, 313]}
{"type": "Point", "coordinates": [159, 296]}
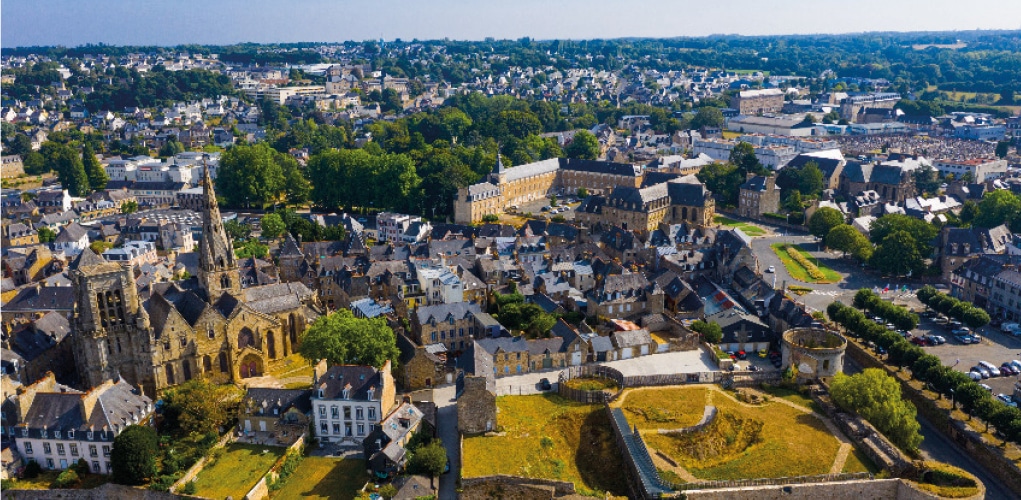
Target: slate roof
{"type": "Point", "coordinates": [118, 405]}
{"type": "Point", "coordinates": [520, 344]}
{"type": "Point", "coordinates": [280, 399]}
{"type": "Point", "coordinates": [530, 169]}
{"type": "Point", "coordinates": [687, 191]}
{"type": "Point", "coordinates": [271, 299]}
{"type": "Point", "coordinates": [42, 298]}
{"type": "Point", "coordinates": [72, 233]}
{"type": "Point", "coordinates": [631, 338]}
{"type": "Point", "coordinates": [603, 167]}
{"type": "Point", "coordinates": [441, 312]}
{"type": "Point", "coordinates": [483, 188]}
{"type": "Point", "coordinates": [857, 171]}
{"type": "Point", "coordinates": [757, 183]}
{"type": "Point", "coordinates": [359, 379]}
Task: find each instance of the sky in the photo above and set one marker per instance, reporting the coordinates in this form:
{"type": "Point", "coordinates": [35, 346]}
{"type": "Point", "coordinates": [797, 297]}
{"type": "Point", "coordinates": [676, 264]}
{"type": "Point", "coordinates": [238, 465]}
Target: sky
{"type": "Point", "coordinates": [173, 22]}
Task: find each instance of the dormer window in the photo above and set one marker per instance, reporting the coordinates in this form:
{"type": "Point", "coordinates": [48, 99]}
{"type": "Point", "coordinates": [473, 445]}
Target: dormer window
{"type": "Point", "coordinates": [56, 434]}
{"type": "Point", "coordinates": [319, 393]}
{"type": "Point", "coordinates": [89, 435]}
{"type": "Point", "coordinates": [70, 434]}
{"type": "Point", "coordinates": [347, 394]}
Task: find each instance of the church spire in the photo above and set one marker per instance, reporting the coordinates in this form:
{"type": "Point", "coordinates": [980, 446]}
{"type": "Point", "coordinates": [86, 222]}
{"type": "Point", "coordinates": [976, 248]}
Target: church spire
{"type": "Point", "coordinates": [218, 269]}
{"type": "Point", "coordinates": [498, 171]}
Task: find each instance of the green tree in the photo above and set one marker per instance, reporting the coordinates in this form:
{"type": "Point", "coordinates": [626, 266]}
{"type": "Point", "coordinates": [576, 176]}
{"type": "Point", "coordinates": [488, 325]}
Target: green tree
{"type": "Point", "coordinates": [133, 458]}
{"type": "Point", "coordinates": [724, 180]}
{"type": "Point", "coordinates": [129, 207]}
{"type": "Point", "coordinates": [236, 230]}
{"type": "Point", "coordinates": [199, 407]}
{"type": "Point", "coordinates": [707, 117]}
{"type": "Point", "coordinates": [584, 146]}
{"type": "Point", "coordinates": [1002, 148]}
{"type": "Point", "coordinates": [582, 193]}
{"type": "Point", "coordinates": [93, 170]}
{"type": "Point", "coordinates": [273, 226]}
{"type": "Point", "coordinates": [711, 331]}
{"type": "Point", "coordinates": [171, 148]}
{"type": "Point", "coordinates": [810, 179]}
{"type": "Point", "coordinates": [67, 479]}
{"type": "Point", "coordinates": [823, 220]}
{"type": "Point", "coordinates": [794, 202]}
{"type": "Point", "coordinates": [743, 157]}
{"type": "Point", "coordinates": [429, 459]}
{"type": "Point", "coordinates": [251, 175]}
{"type": "Point", "coordinates": [490, 218]}
{"type": "Point", "coordinates": [454, 122]}
{"type": "Point", "coordinates": [921, 232]}
{"type": "Point", "coordinates": [251, 247]}
{"type": "Point", "coordinates": [876, 396]}
{"type": "Point", "coordinates": [897, 255]}
{"type": "Point", "coordinates": [341, 338]}
{"type": "Point", "coordinates": [297, 187]}
{"type": "Point", "coordinates": [46, 235]}
{"type": "Point", "coordinates": [70, 169]}
{"type": "Point", "coordinates": [998, 207]}
{"type": "Point", "coordinates": [846, 238]}
{"type": "Point", "coordinates": [927, 179]}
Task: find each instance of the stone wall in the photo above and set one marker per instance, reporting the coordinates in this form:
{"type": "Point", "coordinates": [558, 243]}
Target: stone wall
{"type": "Point", "coordinates": [867, 438]}
{"type": "Point", "coordinates": [476, 407]}
{"type": "Point", "coordinates": [880, 489]}
{"type": "Point", "coordinates": [515, 483]}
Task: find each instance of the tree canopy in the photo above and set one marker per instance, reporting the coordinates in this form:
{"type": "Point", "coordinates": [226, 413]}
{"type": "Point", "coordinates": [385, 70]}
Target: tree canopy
{"type": "Point", "coordinates": [876, 397]}
{"type": "Point", "coordinates": [584, 146]}
{"type": "Point", "coordinates": [823, 220]}
{"type": "Point", "coordinates": [199, 407]}
{"type": "Point", "coordinates": [341, 338]}
{"type": "Point", "coordinates": [133, 457]}
{"type": "Point", "coordinates": [897, 255]}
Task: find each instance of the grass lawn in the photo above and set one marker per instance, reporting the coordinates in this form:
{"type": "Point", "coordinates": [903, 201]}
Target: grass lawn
{"type": "Point", "coordinates": [324, 477]}
{"type": "Point", "coordinates": [747, 228]}
{"type": "Point", "coordinates": [45, 480]}
{"type": "Point", "coordinates": [771, 440]}
{"type": "Point", "coordinates": [797, 271]}
{"type": "Point", "coordinates": [648, 409]}
{"type": "Point", "coordinates": [792, 396]}
{"type": "Point", "coordinates": [236, 471]}
{"type": "Point", "coordinates": [290, 366]}
{"type": "Point", "coordinates": [858, 462]}
{"type": "Point", "coordinates": [551, 438]}
{"type": "Point", "coordinates": [592, 384]}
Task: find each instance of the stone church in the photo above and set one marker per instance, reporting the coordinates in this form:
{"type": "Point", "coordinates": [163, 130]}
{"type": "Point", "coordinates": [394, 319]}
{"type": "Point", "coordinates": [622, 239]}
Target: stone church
{"type": "Point", "coordinates": [206, 326]}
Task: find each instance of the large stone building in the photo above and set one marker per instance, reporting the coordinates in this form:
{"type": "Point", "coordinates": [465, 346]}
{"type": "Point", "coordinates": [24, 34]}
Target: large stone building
{"type": "Point", "coordinates": [758, 102]}
{"type": "Point", "coordinates": [508, 187]}
{"type": "Point", "coordinates": [205, 326]}
{"type": "Point", "coordinates": [680, 200]}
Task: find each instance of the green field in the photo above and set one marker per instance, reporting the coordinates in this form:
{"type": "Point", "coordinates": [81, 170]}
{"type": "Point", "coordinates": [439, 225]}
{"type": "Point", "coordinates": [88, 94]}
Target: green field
{"type": "Point", "coordinates": [743, 442]}
{"type": "Point", "coordinates": [549, 437]}
{"type": "Point", "coordinates": [236, 471]}
{"type": "Point", "coordinates": [799, 272]}
{"type": "Point", "coordinates": [746, 227]}
{"type": "Point", "coordinates": [322, 478]}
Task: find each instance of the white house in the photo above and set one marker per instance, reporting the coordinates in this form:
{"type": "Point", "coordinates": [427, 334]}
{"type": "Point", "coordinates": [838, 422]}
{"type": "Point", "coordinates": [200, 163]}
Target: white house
{"type": "Point", "coordinates": [348, 400]}
{"type": "Point", "coordinates": [440, 285]}
{"type": "Point", "coordinates": [133, 252]}
{"type": "Point", "coordinates": [56, 426]}
{"type": "Point", "coordinates": [71, 240]}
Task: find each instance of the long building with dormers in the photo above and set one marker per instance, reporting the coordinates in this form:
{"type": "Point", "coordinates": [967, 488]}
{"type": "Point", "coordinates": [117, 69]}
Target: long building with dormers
{"type": "Point", "coordinates": [507, 187]}
{"type": "Point", "coordinates": [206, 326]}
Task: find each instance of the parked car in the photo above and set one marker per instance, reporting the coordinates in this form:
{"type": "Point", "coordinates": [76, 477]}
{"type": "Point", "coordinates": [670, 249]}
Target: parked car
{"type": "Point", "coordinates": [742, 355]}
{"type": "Point", "coordinates": [961, 331]}
{"type": "Point", "coordinates": [1009, 327]}
{"type": "Point", "coordinates": [929, 314]}
{"type": "Point", "coordinates": [771, 269]}
{"type": "Point", "coordinates": [1007, 400]}
{"type": "Point", "coordinates": [763, 353]}
{"type": "Point", "coordinates": [986, 387]}
{"type": "Point", "coordinates": [920, 341]}
{"type": "Point", "coordinates": [941, 320]}
{"type": "Point", "coordinates": [974, 375]}
{"type": "Point", "coordinates": [993, 370]}
{"type": "Point", "coordinates": [938, 339]}
{"type": "Point", "coordinates": [1007, 369]}
{"type": "Point", "coordinates": [1016, 364]}
{"type": "Point", "coordinates": [545, 385]}
{"type": "Point", "coordinates": [982, 371]}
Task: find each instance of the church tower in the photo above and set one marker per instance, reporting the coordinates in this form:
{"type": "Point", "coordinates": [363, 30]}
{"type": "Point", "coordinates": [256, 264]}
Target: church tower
{"type": "Point", "coordinates": [218, 268]}
{"type": "Point", "coordinates": [499, 172]}
{"type": "Point", "coordinates": [112, 335]}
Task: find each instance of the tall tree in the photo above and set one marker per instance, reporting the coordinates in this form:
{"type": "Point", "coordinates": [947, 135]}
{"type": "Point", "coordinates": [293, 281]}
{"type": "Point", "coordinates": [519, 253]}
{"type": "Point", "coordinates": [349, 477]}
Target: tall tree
{"type": "Point", "coordinates": [922, 232]}
{"type": "Point", "coordinates": [707, 117]}
{"type": "Point", "coordinates": [95, 172]}
{"type": "Point", "coordinates": [998, 207]}
{"type": "Point", "coordinates": [897, 255]}
{"type": "Point", "coordinates": [341, 338]}
{"type": "Point", "coordinates": [810, 179]}
{"type": "Point", "coordinates": [743, 157]}
{"type": "Point", "coordinates": [133, 458]}
{"type": "Point", "coordinates": [250, 175]}
{"type": "Point", "coordinates": [823, 220]}
{"type": "Point", "coordinates": [585, 146]}
{"type": "Point", "coordinates": [876, 396]}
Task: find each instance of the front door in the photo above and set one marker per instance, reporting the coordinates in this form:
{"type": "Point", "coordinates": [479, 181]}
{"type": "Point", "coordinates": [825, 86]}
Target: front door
{"type": "Point", "coordinates": [248, 426]}
{"type": "Point", "coordinates": [576, 358]}
{"type": "Point", "coordinates": [547, 362]}
{"type": "Point", "coordinates": [63, 463]}
{"type": "Point", "coordinates": [262, 426]}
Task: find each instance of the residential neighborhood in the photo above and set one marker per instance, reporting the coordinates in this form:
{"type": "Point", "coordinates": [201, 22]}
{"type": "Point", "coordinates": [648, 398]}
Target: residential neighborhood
{"type": "Point", "coordinates": [613, 268]}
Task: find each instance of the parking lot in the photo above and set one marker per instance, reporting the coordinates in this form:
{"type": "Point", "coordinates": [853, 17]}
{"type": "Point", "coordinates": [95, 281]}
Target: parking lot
{"type": "Point", "coordinates": [996, 348]}
{"type": "Point", "coordinates": [535, 207]}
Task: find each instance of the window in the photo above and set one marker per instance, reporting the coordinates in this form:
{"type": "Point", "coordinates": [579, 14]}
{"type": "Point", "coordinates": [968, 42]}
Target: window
{"type": "Point", "coordinates": [106, 450]}
{"type": "Point", "coordinates": [361, 429]}
{"type": "Point", "coordinates": [434, 336]}
{"type": "Point", "coordinates": [28, 448]}
{"type": "Point", "coordinates": [46, 448]}
{"type": "Point", "coordinates": [335, 412]}
{"type": "Point", "coordinates": [95, 466]}
{"type": "Point", "coordinates": [322, 411]}
{"type": "Point", "coordinates": [372, 414]}
{"type": "Point", "coordinates": [92, 451]}
{"type": "Point", "coordinates": [60, 448]}
{"type": "Point", "coordinates": [70, 434]}
{"type": "Point", "coordinates": [336, 429]}
{"type": "Point", "coordinates": [347, 430]}
{"type": "Point", "coordinates": [347, 413]}
{"type": "Point", "coordinates": [359, 413]}
{"type": "Point", "coordinates": [74, 449]}
{"type": "Point", "coordinates": [324, 428]}
{"type": "Point", "coordinates": [49, 463]}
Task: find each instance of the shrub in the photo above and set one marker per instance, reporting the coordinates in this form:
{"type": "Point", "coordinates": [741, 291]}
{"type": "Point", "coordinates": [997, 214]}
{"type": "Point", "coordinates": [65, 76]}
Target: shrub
{"type": "Point", "coordinates": [32, 470]}
{"type": "Point", "coordinates": [813, 271]}
{"type": "Point", "coordinates": [189, 488]}
{"type": "Point", "coordinates": [82, 467]}
{"type": "Point", "coordinates": [67, 479]}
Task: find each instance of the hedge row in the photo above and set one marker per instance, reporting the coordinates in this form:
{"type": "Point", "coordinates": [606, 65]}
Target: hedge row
{"type": "Point", "coordinates": [812, 269]}
{"type": "Point", "coordinates": [900, 316]}
{"type": "Point", "coordinates": [965, 312]}
{"type": "Point", "coordinates": [946, 381]}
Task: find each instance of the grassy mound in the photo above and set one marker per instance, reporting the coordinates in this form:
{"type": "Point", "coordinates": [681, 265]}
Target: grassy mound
{"type": "Point", "coordinates": [592, 384]}
{"type": "Point", "coordinates": [728, 436]}
{"type": "Point", "coordinates": [947, 481]}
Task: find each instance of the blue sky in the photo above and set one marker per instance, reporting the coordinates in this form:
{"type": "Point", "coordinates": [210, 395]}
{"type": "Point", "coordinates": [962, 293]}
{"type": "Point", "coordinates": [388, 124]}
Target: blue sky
{"type": "Point", "coordinates": [171, 22]}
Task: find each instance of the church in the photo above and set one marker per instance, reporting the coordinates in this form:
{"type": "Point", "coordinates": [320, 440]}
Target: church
{"type": "Point", "coordinates": [207, 326]}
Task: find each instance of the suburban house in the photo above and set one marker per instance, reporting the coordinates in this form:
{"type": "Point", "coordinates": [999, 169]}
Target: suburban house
{"type": "Point", "coordinates": [385, 445]}
{"type": "Point", "coordinates": [280, 414]}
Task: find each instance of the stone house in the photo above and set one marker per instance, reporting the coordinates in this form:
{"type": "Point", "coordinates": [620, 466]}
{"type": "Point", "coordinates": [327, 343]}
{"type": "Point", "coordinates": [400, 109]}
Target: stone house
{"type": "Point", "coordinates": [385, 447]}
{"type": "Point", "coordinates": [348, 400]}
{"type": "Point", "coordinates": [420, 366]}
{"type": "Point", "coordinates": [283, 414]}
{"type": "Point", "coordinates": [452, 325]}
{"type": "Point", "coordinates": [476, 405]}
{"type": "Point", "coordinates": [624, 295]}
{"type": "Point", "coordinates": [759, 195]}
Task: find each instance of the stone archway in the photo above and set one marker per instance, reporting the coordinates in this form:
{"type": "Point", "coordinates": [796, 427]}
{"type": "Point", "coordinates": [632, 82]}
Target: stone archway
{"type": "Point", "coordinates": [251, 366]}
{"type": "Point", "coordinates": [246, 338]}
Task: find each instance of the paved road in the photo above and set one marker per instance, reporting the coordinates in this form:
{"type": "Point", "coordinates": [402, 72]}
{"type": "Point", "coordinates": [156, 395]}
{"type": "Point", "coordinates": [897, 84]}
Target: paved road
{"type": "Point", "coordinates": [446, 423]}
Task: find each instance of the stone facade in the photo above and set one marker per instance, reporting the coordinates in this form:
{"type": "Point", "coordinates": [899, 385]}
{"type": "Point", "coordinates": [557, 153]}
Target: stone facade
{"type": "Point", "coordinates": [758, 102]}
{"type": "Point", "coordinates": [476, 406]}
{"type": "Point", "coordinates": [759, 195]}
